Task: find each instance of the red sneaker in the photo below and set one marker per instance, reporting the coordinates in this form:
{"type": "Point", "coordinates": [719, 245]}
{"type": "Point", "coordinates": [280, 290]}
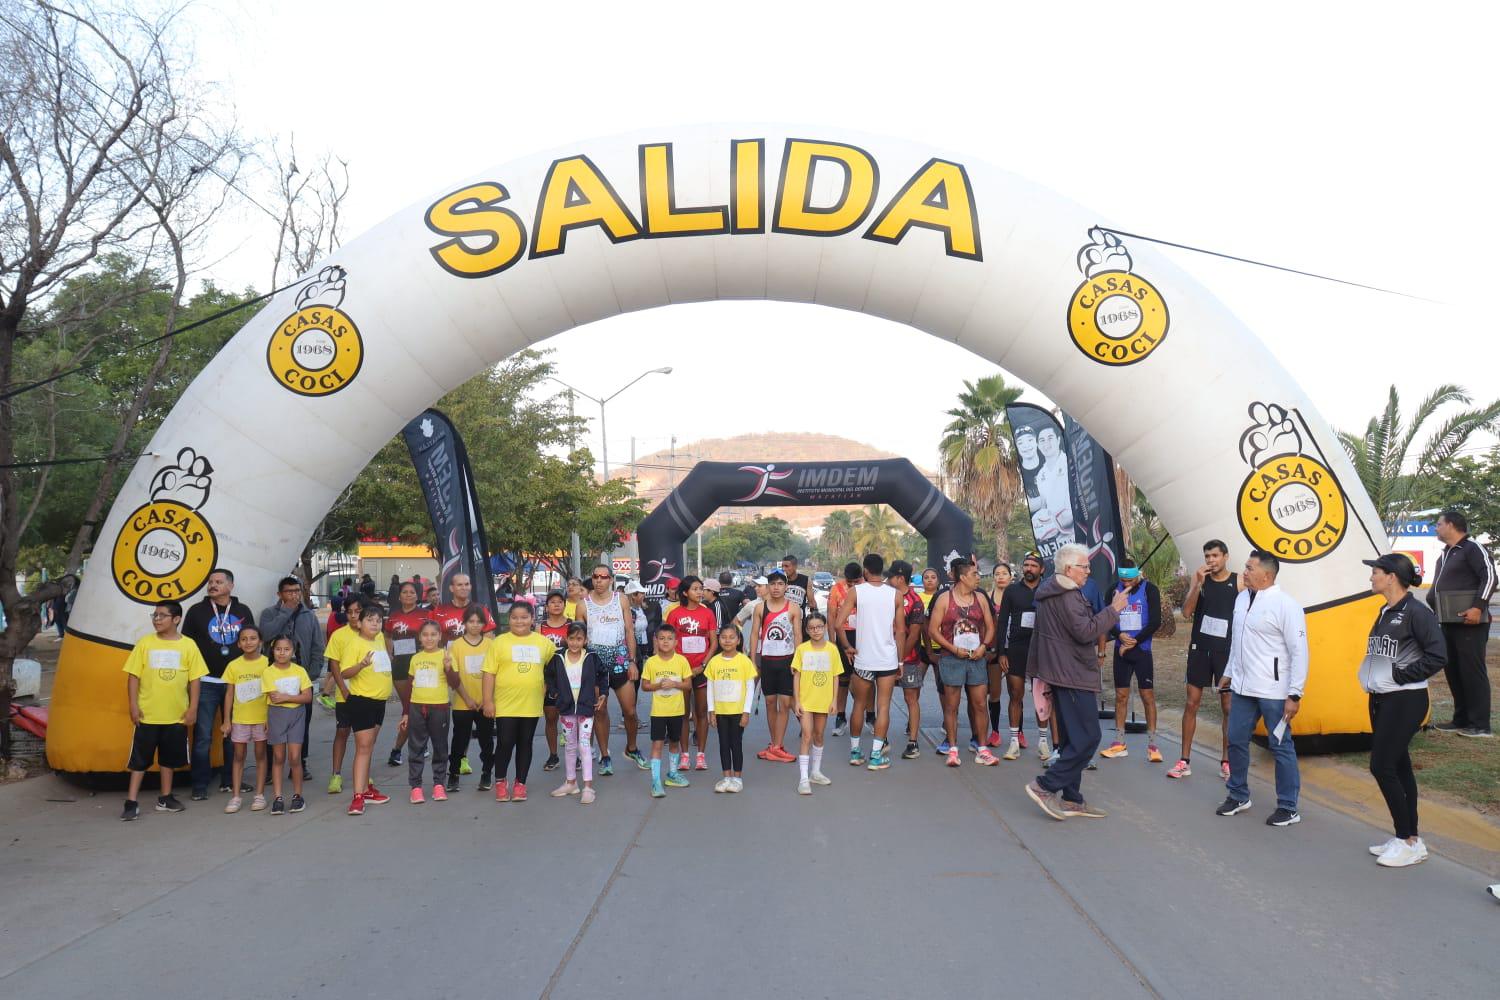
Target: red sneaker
{"type": "Point", "coordinates": [357, 807]}
{"type": "Point", "coordinates": [993, 739]}
{"type": "Point", "coordinates": [502, 794]}
{"type": "Point", "coordinates": [375, 797]}
{"type": "Point", "coordinates": [417, 798]}
{"type": "Point", "coordinates": [701, 764]}
{"type": "Point", "coordinates": [1021, 738]}
{"type": "Point", "coordinates": [780, 755]}
{"type": "Point", "coordinates": [519, 794]}
{"type": "Point", "coordinates": [439, 793]}
{"type": "Point", "coordinates": [766, 754]}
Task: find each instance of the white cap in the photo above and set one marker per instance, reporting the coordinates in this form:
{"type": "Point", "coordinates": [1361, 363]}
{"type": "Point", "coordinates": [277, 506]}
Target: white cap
{"type": "Point", "coordinates": [761, 581]}
{"type": "Point", "coordinates": [634, 587]}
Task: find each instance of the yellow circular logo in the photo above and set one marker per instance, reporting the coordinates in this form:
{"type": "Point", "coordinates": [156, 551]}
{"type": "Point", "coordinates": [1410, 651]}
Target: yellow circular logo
{"type": "Point", "coordinates": [316, 351]}
{"type": "Point", "coordinates": [820, 678]}
{"type": "Point", "coordinates": [164, 552]}
{"type": "Point", "coordinates": [1117, 318]}
{"type": "Point", "coordinates": [1292, 507]}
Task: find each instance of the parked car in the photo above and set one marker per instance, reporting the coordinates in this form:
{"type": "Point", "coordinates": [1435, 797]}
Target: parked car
{"type": "Point", "coordinates": [822, 580]}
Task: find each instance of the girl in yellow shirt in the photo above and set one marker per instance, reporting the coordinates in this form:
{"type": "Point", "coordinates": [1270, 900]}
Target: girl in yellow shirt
{"type": "Point", "coordinates": [288, 688]}
{"type": "Point", "coordinates": [245, 715]}
{"type": "Point", "coordinates": [428, 718]}
{"type": "Point", "coordinates": [731, 692]}
{"type": "Point", "coordinates": [464, 664]}
{"type": "Point", "coordinates": [362, 672]}
{"type": "Point", "coordinates": [515, 687]}
{"type": "Point", "coordinates": [816, 667]}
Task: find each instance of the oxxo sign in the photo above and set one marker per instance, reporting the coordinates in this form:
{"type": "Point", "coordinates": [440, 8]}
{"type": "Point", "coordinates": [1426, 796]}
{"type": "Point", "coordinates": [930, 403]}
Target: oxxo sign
{"type": "Point", "coordinates": [484, 236]}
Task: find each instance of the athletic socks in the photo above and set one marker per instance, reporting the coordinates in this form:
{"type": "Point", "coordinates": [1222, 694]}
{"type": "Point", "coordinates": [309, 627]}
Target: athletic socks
{"type": "Point", "coordinates": [994, 716]}
{"type": "Point", "coordinates": [1015, 732]}
{"type": "Point", "coordinates": [878, 746]}
{"type": "Point", "coordinates": [802, 765]}
{"type": "Point", "coordinates": [817, 758]}
{"type": "Point", "coordinates": [655, 770]}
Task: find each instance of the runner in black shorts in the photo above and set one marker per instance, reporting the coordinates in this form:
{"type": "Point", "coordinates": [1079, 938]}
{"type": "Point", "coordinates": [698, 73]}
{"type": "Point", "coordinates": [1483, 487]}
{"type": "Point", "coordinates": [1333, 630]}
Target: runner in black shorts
{"type": "Point", "coordinates": [853, 573]}
{"type": "Point", "coordinates": [1016, 620]}
{"type": "Point", "coordinates": [1210, 606]}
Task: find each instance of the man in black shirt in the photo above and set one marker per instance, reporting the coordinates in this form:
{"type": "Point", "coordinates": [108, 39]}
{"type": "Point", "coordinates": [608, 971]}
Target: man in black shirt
{"type": "Point", "coordinates": [1210, 606]}
{"type": "Point", "coordinates": [798, 588]}
{"type": "Point", "coordinates": [1016, 620]}
{"type": "Point", "coordinates": [214, 625]}
{"type": "Point", "coordinates": [730, 599]}
{"type": "Point", "coordinates": [1462, 584]}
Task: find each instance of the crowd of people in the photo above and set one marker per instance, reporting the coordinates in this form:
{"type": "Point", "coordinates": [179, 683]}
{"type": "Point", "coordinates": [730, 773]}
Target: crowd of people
{"type": "Point", "coordinates": [707, 656]}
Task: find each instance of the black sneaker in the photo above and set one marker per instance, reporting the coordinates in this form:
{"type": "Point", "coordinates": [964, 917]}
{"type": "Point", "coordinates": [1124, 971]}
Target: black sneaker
{"type": "Point", "coordinates": [132, 811]}
{"type": "Point", "coordinates": [297, 804]}
{"type": "Point", "coordinates": [1447, 727]}
{"type": "Point", "coordinates": [306, 773]}
{"type": "Point", "coordinates": [552, 762]}
{"type": "Point", "coordinates": [1478, 734]}
{"type": "Point", "coordinates": [200, 795]}
{"type": "Point", "coordinates": [394, 760]}
{"type": "Point", "coordinates": [224, 789]}
{"type": "Point", "coordinates": [1282, 817]}
{"type": "Point", "coordinates": [485, 783]}
{"type": "Point", "coordinates": [869, 718]}
{"type": "Point", "coordinates": [278, 806]}
{"type": "Point", "coordinates": [841, 725]}
{"type": "Point", "coordinates": [912, 751]}
{"type": "Point", "coordinates": [452, 785]}
{"type": "Point", "coordinates": [169, 804]}
{"type": "Point", "coordinates": [1092, 765]}
{"type": "Point", "coordinates": [1232, 805]}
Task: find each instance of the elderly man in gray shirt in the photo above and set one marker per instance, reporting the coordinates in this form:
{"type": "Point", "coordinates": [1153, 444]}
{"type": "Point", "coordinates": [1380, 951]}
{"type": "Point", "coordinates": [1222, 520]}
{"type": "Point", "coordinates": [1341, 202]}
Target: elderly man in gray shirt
{"type": "Point", "coordinates": [290, 617]}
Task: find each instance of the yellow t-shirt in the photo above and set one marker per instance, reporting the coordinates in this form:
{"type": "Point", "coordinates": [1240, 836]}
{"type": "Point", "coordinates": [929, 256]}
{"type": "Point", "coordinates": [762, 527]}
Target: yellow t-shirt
{"type": "Point", "coordinates": [429, 682]}
{"type": "Point", "coordinates": [570, 611]}
{"type": "Point", "coordinates": [820, 669]}
{"type": "Point", "coordinates": [666, 703]}
{"type": "Point", "coordinates": [291, 681]}
{"type": "Point", "coordinates": [375, 680]}
{"type": "Point", "coordinates": [335, 651]}
{"type": "Point", "coordinates": [468, 661]}
{"type": "Point", "coordinates": [927, 600]}
{"type": "Point", "coordinates": [729, 679]}
{"type": "Point", "coordinates": [165, 668]}
{"type": "Point", "coordinates": [519, 665]}
{"type": "Point", "coordinates": [247, 690]}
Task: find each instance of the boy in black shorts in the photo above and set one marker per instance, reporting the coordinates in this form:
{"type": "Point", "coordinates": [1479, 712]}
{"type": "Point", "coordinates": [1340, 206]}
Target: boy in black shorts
{"type": "Point", "coordinates": [666, 675]}
{"type": "Point", "coordinates": [162, 693]}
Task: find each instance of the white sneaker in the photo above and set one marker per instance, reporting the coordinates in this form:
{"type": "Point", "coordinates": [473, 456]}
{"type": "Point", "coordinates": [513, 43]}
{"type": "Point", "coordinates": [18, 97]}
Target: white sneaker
{"type": "Point", "coordinates": [1421, 847]}
{"type": "Point", "coordinates": [1401, 855]}
{"type": "Point", "coordinates": [1012, 749]}
{"type": "Point", "coordinates": [723, 784]}
{"type": "Point", "coordinates": [804, 788]}
{"type": "Point", "coordinates": [819, 778]}
{"type": "Point", "coordinates": [738, 786]}
{"type": "Point", "coordinates": [1043, 748]}
{"type": "Point", "coordinates": [1379, 849]}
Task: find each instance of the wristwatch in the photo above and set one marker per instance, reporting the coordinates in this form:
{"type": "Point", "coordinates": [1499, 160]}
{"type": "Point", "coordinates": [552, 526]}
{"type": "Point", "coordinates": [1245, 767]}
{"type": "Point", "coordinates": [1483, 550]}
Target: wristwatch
{"type": "Point", "coordinates": [1294, 697]}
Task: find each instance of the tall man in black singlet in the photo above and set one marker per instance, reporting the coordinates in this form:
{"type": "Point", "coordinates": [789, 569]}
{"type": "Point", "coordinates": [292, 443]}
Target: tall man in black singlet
{"type": "Point", "coordinates": [1017, 618]}
{"type": "Point", "coordinates": [798, 587]}
{"type": "Point", "coordinates": [1210, 606]}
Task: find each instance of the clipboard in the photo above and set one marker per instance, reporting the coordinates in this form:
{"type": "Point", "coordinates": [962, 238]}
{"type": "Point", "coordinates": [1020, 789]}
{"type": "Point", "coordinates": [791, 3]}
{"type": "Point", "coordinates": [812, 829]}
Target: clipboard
{"type": "Point", "coordinates": [1451, 605]}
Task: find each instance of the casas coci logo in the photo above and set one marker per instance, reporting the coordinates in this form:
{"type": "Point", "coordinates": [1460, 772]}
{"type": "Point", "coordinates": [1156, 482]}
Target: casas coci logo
{"type": "Point", "coordinates": [1290, 505]}
{"type": "Point", "coordinates": [166, 548]}
{"type": "Point", "coordinates": [1115, 317]}
{"type": "Point", "coordinates": [317, 350]}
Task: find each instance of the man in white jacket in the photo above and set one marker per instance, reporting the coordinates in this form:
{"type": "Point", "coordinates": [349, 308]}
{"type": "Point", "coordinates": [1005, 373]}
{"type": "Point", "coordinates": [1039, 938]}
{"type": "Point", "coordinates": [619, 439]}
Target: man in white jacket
{"type": "Point", "coordinates": [1267, 671]}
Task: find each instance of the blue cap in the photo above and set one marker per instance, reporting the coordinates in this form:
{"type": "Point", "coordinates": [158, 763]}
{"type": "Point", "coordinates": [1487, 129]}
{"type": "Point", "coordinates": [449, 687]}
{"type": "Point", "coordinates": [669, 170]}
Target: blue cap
{"type": "Point", "coordinates": [1129, 572]}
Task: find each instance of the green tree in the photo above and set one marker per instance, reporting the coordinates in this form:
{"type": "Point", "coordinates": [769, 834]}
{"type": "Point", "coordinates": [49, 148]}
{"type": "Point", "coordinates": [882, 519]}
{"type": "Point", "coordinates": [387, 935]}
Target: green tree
{"type": "Point", "coordinates": [838, 536]}
{"type": "Point", "coordinates": [1472, 486]}
{"type": "Point", "coordinates": [1397, 470]}
{"type": "Point", "coordinates": [979, 456]}
{"type": "Point", "coordinates": [877, 529]}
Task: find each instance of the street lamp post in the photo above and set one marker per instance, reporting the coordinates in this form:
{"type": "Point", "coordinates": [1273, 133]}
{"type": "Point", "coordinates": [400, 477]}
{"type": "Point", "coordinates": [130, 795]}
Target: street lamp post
{"type": "Point", "coordinates": [603, 428]}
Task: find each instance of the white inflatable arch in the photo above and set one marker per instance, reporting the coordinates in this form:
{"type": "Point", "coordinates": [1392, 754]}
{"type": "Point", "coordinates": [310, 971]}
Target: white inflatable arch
{"type": "Point", "coordinates": [1208, 423]}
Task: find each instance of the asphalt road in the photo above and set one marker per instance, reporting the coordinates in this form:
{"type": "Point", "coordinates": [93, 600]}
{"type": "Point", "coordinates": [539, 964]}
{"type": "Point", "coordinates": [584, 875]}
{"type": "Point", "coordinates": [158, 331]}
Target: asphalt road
{"type": "Point", "coordinates": [917, 881]}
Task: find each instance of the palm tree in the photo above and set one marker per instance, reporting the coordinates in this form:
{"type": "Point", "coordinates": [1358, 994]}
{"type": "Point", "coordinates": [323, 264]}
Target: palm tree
{"type": "Point", "coordinates": [838, 535]}
{"type": "Point", "coordinates": [1386, 449]}
{"type": "Point", "coordinates": [877, 529]}
{"type": "Point", "coordinates": [979, 455]}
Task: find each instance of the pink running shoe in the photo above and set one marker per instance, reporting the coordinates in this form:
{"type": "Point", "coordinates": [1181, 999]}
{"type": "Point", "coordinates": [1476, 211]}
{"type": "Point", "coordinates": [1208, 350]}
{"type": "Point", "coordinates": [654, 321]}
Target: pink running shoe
{"type": "Point", "coordinates": [1180, 770]}
{"type": "Point", "coordinates": [439, 793]}
{"type": "Point", "coordinates": [502, 793]}
{"type": "Point", "coordinates": [416, 797]}
{"type": "Point", "coordinates": [1021, 738]}
{"type": "Point", "coordinates": [985, 758]}
{"type": "Point", "coordinates": [519, 793]}
{"type": "Point", "coordinates": [702, 762]}
{"type": "Point", "coordinates": [993, 739]}
{"type": "Point", "coordinates": [953, 760]}
{"type": "Point", "coordinates": [685, 763]}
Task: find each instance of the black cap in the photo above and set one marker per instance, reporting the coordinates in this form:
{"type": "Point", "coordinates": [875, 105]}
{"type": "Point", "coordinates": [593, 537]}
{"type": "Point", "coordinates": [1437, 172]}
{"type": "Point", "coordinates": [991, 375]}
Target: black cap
{"type": "Point", "coordinates": [1399, 566]}
{"type": "Point", "coordinates": [554, 592]}
{"type": "Point", "coordinates": [776, 574]}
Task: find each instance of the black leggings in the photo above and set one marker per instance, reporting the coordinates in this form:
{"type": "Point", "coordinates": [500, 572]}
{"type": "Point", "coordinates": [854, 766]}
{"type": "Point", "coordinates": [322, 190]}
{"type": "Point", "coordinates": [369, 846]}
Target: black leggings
{"type": "Point", "coordinates": [731, 743]}
{"type": "Point", "coordinates": [464, 724]}
{"type": "Point", "coordinates": [514, 735]}
{"type": "Point", "coordinates": [1394, 720]}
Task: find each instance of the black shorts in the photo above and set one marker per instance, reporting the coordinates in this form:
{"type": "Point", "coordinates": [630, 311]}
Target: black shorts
{"type": "Point", "coordinates": [1137, 663]}
{"type": "Point", "coordinates": [400, 669]}
{"type": "Point", "coordinates": [776, 675]}
{"type": "Point", "coordinates": [667, 728]}
{"type": "Point", "coordinates": [160, 743]}
{"type": "Point", "coordinates": [619, 680]}
{"type": "Point", "coordinates": [1205, 666]}
{"type": "Point", "coordinates": [1017, 659]}
{"type": "Point", "coordinates": [700, 681]}
{"type": "Point", "coordinates": [365, 713]}
{"type": "Point", "coordinates": [848, 666]}
{"type": "Point", "coordinates": [341, 714]}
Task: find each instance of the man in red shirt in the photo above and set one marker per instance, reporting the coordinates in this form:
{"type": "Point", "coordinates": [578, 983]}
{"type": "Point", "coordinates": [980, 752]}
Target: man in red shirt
{"type": "Point", "coordinates": [450, 617]}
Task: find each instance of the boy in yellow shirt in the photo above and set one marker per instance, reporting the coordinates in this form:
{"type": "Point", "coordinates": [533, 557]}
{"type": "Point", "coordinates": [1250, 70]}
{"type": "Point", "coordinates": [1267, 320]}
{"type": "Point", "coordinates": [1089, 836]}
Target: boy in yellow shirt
{"type": "Point", "coordinates": [161, 689]}
{"type": "Point", "coordinates": [245, 714]}
{"type": "Point", "coordinates": [731, 692]}
{"type": "Point", "coordinates": [666, 675]}
{"type": "Point", "coordinates": [288, 688]}
{"type": "Point", "coordinates": [816, 667]}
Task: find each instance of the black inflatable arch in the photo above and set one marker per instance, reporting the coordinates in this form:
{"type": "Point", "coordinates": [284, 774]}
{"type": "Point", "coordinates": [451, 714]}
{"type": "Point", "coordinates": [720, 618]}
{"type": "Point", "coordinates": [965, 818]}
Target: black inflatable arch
{"type": "Point", "coordinates": [710, 485]}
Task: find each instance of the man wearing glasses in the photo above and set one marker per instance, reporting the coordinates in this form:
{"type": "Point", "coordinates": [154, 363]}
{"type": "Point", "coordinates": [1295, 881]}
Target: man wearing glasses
{"type": "Point", "coordinates": [290, 617]}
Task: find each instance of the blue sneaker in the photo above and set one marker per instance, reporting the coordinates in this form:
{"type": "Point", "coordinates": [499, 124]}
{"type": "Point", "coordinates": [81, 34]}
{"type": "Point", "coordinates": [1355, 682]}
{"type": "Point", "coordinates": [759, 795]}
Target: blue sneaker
{"type": "Point", "coordinates": [606, 767]}
{"type": "Point", "coordinates": [640, 760]}
{"type": "Point", "coordinates": [944, 747]}
{"type": "Point", "coordinates": [676, 780]}
{"type": "Point", "coordinates": [880, 761]}
{"type": "Point", "coordinates": [658, 792]}
{"type": "Point", "coordinates": [856, 758]}
{"type": "Point", "coordinates": [973, 745]}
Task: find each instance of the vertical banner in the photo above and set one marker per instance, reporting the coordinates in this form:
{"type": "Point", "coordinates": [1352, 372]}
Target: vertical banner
{"type": "Point", "coordinates": [1069, 483]}
{"type": "Point", "coordinates": [442, 464]}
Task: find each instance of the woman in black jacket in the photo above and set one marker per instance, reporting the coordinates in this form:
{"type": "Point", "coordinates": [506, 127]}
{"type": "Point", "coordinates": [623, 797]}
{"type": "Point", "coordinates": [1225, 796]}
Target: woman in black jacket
{"type": "Point", "coordinates": [577, 682]}
{"type": "Point", "coordinates": [1404, 649]}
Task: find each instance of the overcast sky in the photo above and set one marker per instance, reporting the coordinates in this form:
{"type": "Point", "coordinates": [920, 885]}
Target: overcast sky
{"type": "Point", "coordinates": [1350, 140]}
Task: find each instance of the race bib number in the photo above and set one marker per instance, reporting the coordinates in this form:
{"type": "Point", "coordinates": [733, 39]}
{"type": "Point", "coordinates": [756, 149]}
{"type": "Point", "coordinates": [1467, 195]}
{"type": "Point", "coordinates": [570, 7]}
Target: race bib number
{"type": "Point", "coordinates": [816, 662]}
{"type": "Point", "coordinates": [525, 654]}
{"type": "Point", "coordinates": [728, 692]}
{"type": "Point", "coordinates": [474, 665]}
{"type": "Point", "coordinates": [290, 686]}
{"type": "Point", "coordinates": [1130, 621]}
{"type": "Point", "coordinates": [425, 677]}
{"type": "Point", "coordinates": [380, 662]}
{"type": "Point", "coordinates": [1215, 626]}
{"type": "Point", "coordinates": [165, 659]}
{"type": "Point", "coordinates": [966, 641]}
{"type": "Point", "coordinates": [694, 644]}
{"type": "Point", "coordinates": [404, 647]}
{"type": "Point", "coordinates": [247, 690]}
{"type": "Point", "coordinates": [1028, 619]}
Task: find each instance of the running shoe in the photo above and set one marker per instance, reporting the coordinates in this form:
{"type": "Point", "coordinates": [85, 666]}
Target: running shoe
{"type": "Point", "coordinates": [325, 702]}
{"type": "Point", "coordinates": [335, 784]}
{"type": "Point", "coordinates": [840, 725]}
{"type": "Point", "coordinates": [502, 793]}
{"type": "Point", "coordinates": [912, 751]}
{"type": "Point", "coordinates": [1048, 801]}
{"type": "Point", "coordinates": [1400, 854]}
{"type": "Point", "coordinates": [819, 778]}
{"type": "Point", "coordinates": [298, 804]}
{"type": "Point", "coordinates": [258, 803]}
{"type": "Point", "coordinates": [518, 793]}
{"type": "Point", "coordinates": [944, 747]}
{"type": "Point", "coordinates": [417, 798]}
{"type": "Point", "coordinates": [606, 767]}
{"type": "Point", "coordinates": [439, 793]}
{"type": "Point", "coordinates": [1446, 727]}
{"type": "Point", "coordinates": [855, 757]}
{"type": "Point", "coordinates": [722, 785]}
{"type": "Point", "coordinates": [1224, 769]}
{"type": "Point", "coordinates": [587, 798]}
{"type": "Point", "coordinates": [676, 780]}
{"type": "Point", "coordinates": [394, 760]}
{"type": "Point", "coordinates": [640, 760]}
{"type": "Point", "coordinates": [1285, 817]}
{"type": "Point", "coordinates": [783, 756]}
{"type": "Point", "coordinates": [357, 807]}
{"type": "Point", "coordinates": [485, 783]}
{"type": "Point", "coordinates": [1043, 746]}
{"type": "Point", "coordinates": [1082, 809]}
{"type": "Point", "coordinates": [1379, 849]}
{"type": "Point", "coordinates": [1115, 749]}
{"type": "Point", "coordinates": [685, 762]}
{"type": "Point", "coordinates": [1180, 770]}
{"type": "Point", "coordinates": [1012, 749]}
{"type": "Point", "coordinates": [985, 759]}
{"type": "Point", "coordinates": [565, 789]}
{"type": "Point", "coordinates": [1230, 806]}
{"type": "Point", "coordinates": [169, 804]}
{"type": "Point", "coordinates": [993, 740]}
{"type": "Point", "coordinates": [1476, 733]}
{"type": "Point", "coordinates": [552, 761]}
{"type": "Point", "coordinates": [453, 783]}
{"type": "Point", "coordinates": [738, 786]}
{"type": "Point", "coordinates": [701, 764]}
{"type": "Point", "coordinates": [973, 745]}
{"type": "Point", "coordinates": [879, 761]}
{"type": "Point", "coordinates": [375, 797]}
{"type": "Point", "coordinates": [804, 787]}
{"type": "Point", "coordinates": [199, 795]}
{"type": "Point", "coordinates": [463, 765]}
{"type": "Point", "coordinates": [658, 792]}
{"type": "Point", "coordinates": [953, 760]}
{"type": "Point", "coordinates": [1092, 765]}
{"type": "Point", "coordinates": [764, 754]}
{"type": "Point", "coordinates": [278, 806]}
{"type": "Point", "coordinates": [1021, 738]}
{"type": "Point", "coordinates": [233, 805]}
{"type": "Point", "coordinates": [1153, 755]}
